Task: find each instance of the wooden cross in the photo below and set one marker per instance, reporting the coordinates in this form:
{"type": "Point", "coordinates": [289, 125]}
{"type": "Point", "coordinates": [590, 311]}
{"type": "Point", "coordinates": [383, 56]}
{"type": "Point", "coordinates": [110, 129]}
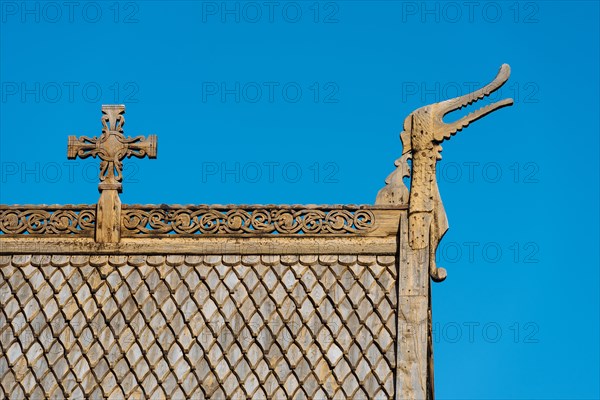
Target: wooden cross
{"type": "Point", "coordinates": [112, 147]}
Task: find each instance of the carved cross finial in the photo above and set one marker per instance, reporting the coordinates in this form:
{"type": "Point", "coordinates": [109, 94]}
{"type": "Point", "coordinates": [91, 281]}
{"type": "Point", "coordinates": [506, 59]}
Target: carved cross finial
{"type": "Point", "coordinates": [112, 147]}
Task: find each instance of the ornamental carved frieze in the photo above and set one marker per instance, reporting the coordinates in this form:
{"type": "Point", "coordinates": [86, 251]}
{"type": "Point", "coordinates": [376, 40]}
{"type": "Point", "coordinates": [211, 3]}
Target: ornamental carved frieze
{"type": "Point", "coordinates": [48, 220]}
{"type": "Point", "coordinates": [268, 220]}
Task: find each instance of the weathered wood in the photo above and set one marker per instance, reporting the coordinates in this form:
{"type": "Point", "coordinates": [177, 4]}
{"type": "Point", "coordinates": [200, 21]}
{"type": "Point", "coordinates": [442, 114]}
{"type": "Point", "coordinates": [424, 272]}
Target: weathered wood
{"type": "Point", "coordinates": [112, 147]}
{"type": "Point", "coordinates": [239, 301]}
{"type": "Point", "coordinates": [395, 191]}
{"type": "Point", "coordinates": [424, 131]}
{"type": "Point", "coordinates": [198, 326]}
{"type": "Point", "coordinates": [47, 220]}
{"type": "Point", "coordinates": [413, 321]}
{"type": "Point", "coordinates": [208, 245]}
{"type": "Point", "coordinates": [195, 220]}
{"type": "Point", "coordinates": [108, 217]}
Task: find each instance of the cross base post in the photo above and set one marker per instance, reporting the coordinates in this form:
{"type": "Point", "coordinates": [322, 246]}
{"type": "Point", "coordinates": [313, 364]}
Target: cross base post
{"type": "Point", "coordinates": [108, 217]}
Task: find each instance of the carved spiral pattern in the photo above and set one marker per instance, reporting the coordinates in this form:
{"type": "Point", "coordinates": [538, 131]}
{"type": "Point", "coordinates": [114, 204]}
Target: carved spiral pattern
{"type": "Point", "coordinates": [47, 222]}
{"type": "Point", "coordinates": [240, 221]}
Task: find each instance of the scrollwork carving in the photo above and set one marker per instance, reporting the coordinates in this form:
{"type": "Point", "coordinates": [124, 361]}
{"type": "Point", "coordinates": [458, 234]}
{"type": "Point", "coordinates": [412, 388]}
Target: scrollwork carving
{"type": "Point", "coordinates": [65, 221]}
{"type": "Point", "coordinates": [281, 220]}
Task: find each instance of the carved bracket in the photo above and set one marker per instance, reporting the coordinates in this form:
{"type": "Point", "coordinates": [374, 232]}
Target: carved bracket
{"type": "Point", "coordinates": [395, 191]}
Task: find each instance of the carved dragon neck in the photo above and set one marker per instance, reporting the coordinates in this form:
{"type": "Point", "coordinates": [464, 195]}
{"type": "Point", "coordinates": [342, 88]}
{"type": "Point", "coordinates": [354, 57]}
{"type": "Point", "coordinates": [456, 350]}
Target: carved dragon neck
{"type": "Point", "coordinates": [424, 131]}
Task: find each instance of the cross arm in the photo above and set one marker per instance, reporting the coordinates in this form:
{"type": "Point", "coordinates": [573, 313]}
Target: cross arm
{"type": "Point", "coordinates": [140, 146]}
{"type": "Point", "coordinates": [82, 147]}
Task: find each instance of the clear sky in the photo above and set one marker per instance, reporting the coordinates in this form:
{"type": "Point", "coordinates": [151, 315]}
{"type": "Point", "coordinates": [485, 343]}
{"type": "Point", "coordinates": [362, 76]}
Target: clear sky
{"type": "Point", "coordinates": [302, 102]}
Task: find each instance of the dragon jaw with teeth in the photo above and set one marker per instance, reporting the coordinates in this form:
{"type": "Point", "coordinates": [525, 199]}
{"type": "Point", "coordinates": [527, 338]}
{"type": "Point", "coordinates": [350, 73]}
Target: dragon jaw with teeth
{"type": "Point", "coordinates": [424, 131]}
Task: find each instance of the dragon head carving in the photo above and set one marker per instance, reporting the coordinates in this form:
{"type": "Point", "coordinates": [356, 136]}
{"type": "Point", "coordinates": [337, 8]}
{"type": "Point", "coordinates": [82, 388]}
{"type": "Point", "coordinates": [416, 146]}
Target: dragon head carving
{"type": "Point", "coordinates": [424, 131]}
{"type": "Point", "coordinates": [425, 127]}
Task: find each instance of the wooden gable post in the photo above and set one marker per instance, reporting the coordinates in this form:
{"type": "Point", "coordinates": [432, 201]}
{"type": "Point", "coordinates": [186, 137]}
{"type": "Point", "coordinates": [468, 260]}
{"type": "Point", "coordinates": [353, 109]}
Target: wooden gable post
{"type": "Point", "coordinates": [424, 131]}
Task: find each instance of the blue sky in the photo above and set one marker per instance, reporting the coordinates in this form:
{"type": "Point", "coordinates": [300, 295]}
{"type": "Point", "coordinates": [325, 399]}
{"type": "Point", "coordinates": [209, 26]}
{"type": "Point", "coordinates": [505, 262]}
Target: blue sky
{"type": "Point", "coordinates": [302, 102]}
